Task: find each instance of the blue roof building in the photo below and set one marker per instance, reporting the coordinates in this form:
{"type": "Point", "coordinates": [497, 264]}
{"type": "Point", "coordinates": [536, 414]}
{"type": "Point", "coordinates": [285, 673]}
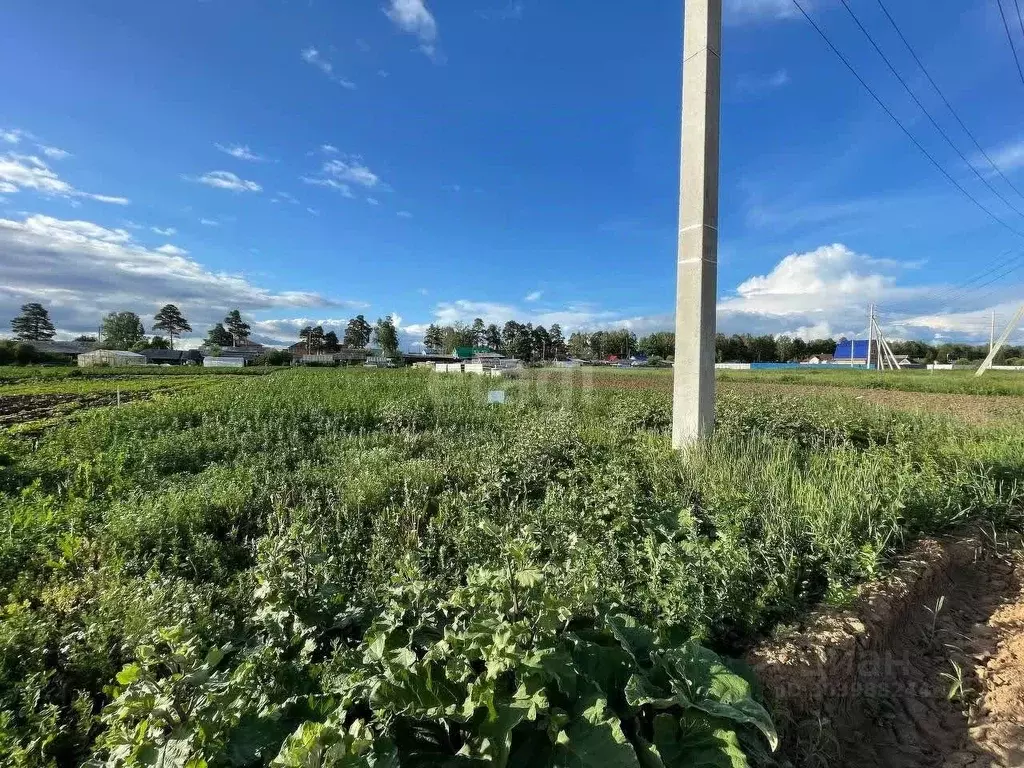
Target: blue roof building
{"type": "Point", "coordinates": [854, 351]}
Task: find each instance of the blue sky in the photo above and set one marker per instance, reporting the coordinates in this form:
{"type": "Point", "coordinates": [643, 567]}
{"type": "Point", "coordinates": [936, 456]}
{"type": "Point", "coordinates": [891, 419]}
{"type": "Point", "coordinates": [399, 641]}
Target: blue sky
{"type": "Point", "coordinates": [444, 160]}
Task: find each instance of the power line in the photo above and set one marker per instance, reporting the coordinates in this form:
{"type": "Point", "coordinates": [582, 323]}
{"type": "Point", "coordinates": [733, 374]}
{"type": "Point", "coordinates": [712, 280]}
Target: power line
{"type": "Point", "coordinates": [1009, 39]}
{"type": "Point", "coordinates": [924, 109]}
{"type": "Point", "coordinates": [1020, 20]}
{"type": "Point", "coordinates": [942, 96]}
{"type": "Point", "coordinates": [903, 128]}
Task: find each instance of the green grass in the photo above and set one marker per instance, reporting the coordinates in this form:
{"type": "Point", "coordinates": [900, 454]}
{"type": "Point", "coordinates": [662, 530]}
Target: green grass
{"type": "Point", "coordinates": [278, 513]}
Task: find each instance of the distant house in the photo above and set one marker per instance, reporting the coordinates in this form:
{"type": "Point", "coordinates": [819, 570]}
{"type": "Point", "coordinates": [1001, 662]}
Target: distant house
{"type": "Point", "coordinates": [173, 356]}
{"type": "Point", "coordinates": [855, 352]}
{"type": "Point", "coordinates": [477, 353]}
{"type": "Point", "coordinates": [248, 352]}
{"type": "Point", "coordinates": [69, 350]}
{"type": "Point", "coordinates": [112, 358]}
{"type": "Point", "coordinates": [223, 362]}
{"type": "Point", "coordinates": [822, 359]}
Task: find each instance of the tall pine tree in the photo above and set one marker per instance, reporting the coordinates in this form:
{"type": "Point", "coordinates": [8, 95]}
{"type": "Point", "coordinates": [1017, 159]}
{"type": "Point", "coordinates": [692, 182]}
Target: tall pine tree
{"type": "Point", "coordinates": [170, 319]}
{"type": "Point", "coordinates": [33, 324]}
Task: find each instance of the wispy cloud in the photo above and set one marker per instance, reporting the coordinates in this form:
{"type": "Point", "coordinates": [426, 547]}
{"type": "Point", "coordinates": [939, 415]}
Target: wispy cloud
{"type": "Point", "coordinates": [345, 189]}
{"type": "Point", "coordinates": [533, 296]}
{"type": "Point", "coordinates": [312, 56]}
{"type": "Point", "coordinates": [351, 170]}
{"type": "Point", "coordinates": [1008, 157]}
{"type": "Point", "coordinates": [342, 173]}
{"type": "Point", "coordinates": [286, 197]}
{"type": "Point", "coordinates": [313, 211]}
{"type": "Point", "coordinates": [512, 11]}
{"type": "Point", "coordinates": [12, 135]}
{"type": "Point", "coordinates": [746, 11]}
{"type": "Point", "coordinates": [761, 83]}
{"type": "Point", "coordinates": [328, 149]}
{"type": "Point", "coordinates": [226, 180]}
{"type": "Point", "coordinates": [404, 215]}
{"type": "Point", "coordinates": [21, 172]}
{"type": "Point", "coordinates": [54, 153]}
{"type": "Point", "coordinates": [209, 222]}
{"type": "Point", "coordinates": [169, 232]}
{"type": "Point", "coordinates": [240, 152]}
{"type": "Point", "coordinates": [412, 16]}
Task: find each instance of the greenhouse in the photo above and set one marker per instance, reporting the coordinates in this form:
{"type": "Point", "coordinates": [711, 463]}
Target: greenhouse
{"type": "Point", "coordinates": [110, 358]}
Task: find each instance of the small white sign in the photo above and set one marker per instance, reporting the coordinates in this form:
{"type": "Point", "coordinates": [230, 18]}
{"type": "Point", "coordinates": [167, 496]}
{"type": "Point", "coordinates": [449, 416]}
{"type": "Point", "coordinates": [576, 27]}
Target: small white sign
{"type": "Point", "coordinates": [496, 396]}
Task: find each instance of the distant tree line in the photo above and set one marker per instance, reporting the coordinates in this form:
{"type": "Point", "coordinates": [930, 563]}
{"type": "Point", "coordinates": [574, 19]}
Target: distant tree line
{"type": "Point", "coordinates": [525, 341]}
{"type": "Point", "coordinates": [358, 335]}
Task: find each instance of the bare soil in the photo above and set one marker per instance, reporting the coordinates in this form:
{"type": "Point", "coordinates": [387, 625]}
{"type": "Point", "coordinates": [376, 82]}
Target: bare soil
{"type": "Point", "coordinates": [977, 409]}
{"type": "Point", "coordinates": [926, 670]}
{"type": "Point", "coordinates": [20, 409]}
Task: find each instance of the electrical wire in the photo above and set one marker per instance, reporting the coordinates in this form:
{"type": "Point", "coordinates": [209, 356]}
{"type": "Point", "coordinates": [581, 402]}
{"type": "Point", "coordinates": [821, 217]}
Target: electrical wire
{"type": "Point", "coordinates": [1020, 20]}
{"type": "Point", "coordinates": [902, 127]}
{"type": "Point", "coordinates": [942, 96]}
{"type": "Point", "coordinates": [924, 109]}
{"type": "Point", "coordinates": [1009, 39]}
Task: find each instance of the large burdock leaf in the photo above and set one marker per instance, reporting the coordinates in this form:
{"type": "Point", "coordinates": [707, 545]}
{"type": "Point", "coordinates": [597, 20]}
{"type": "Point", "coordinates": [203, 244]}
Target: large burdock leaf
{"type": "Point", "coordinates": [694, 742]}
{"type": "Point", "coordinates": [596, 740]}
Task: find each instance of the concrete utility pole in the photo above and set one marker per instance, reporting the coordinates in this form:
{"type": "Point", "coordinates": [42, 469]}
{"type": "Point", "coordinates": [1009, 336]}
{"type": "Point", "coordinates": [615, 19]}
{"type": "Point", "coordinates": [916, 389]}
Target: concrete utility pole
{"type": "Point", "coordinates": [693, 400]}
{"type": "Point", "coordinates": [992, 333]}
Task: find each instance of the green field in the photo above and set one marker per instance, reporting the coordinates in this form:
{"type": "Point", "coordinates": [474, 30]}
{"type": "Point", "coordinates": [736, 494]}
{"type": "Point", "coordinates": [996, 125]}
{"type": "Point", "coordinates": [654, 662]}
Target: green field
{"type": "Point", "coordinates": [379, 568]}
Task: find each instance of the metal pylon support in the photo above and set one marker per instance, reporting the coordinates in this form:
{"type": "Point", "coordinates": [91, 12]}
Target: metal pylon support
{"type": "Point", "coordinates": [987, 363]}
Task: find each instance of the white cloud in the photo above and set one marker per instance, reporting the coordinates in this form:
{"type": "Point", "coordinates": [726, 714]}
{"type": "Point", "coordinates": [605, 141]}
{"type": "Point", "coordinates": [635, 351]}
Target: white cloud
{"type": "Point", "coordinates": [373, 201]}
{"type": "Point", "coordinates": [226, 180]}
{"type": "Point", "coordinates": [81, 271]}
{"type": "Point", "coordinates": [822, 292]}
{"type": "Point", "coordinates": [169, 232]}
{"type": "Point", "coordinates": [533, 296]}
{"type": "Point", "coordinates": [209, 222]}
{"type": "Point", "coordinates": [20, 172]}
{"type": "Point", "coordinates": [55, 153]}
{"type": "Point", "coordinates": [312, 56]}
{"type": "Point", "coordinates": [240, 152]}
{"type": "Point", "coordinates": [114, 200]}
{"type": "Point", "coordinates": [12, 135]}
{"type": "Point", "coordinates": [404, 215]}
{"type": "Point", "coordinates": [171, 250]}
{"type": "Point", "coordinates": [328, 149]}
{"type": "Point", "coordinates": [313, 211]}
{"type": "Point", "coordinates": [743, 11]}
{"type": "Point", "coordinates": [412, 16]}
{"type": "Point", "coordinates": [351, 170]}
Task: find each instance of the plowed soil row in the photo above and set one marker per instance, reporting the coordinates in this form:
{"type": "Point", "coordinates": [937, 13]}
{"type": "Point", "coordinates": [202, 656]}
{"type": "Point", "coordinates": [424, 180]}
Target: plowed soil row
{"type": "Point", "coordinates": [20, 409]}
{"type": "Point", "coordinates": [922, 676]}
